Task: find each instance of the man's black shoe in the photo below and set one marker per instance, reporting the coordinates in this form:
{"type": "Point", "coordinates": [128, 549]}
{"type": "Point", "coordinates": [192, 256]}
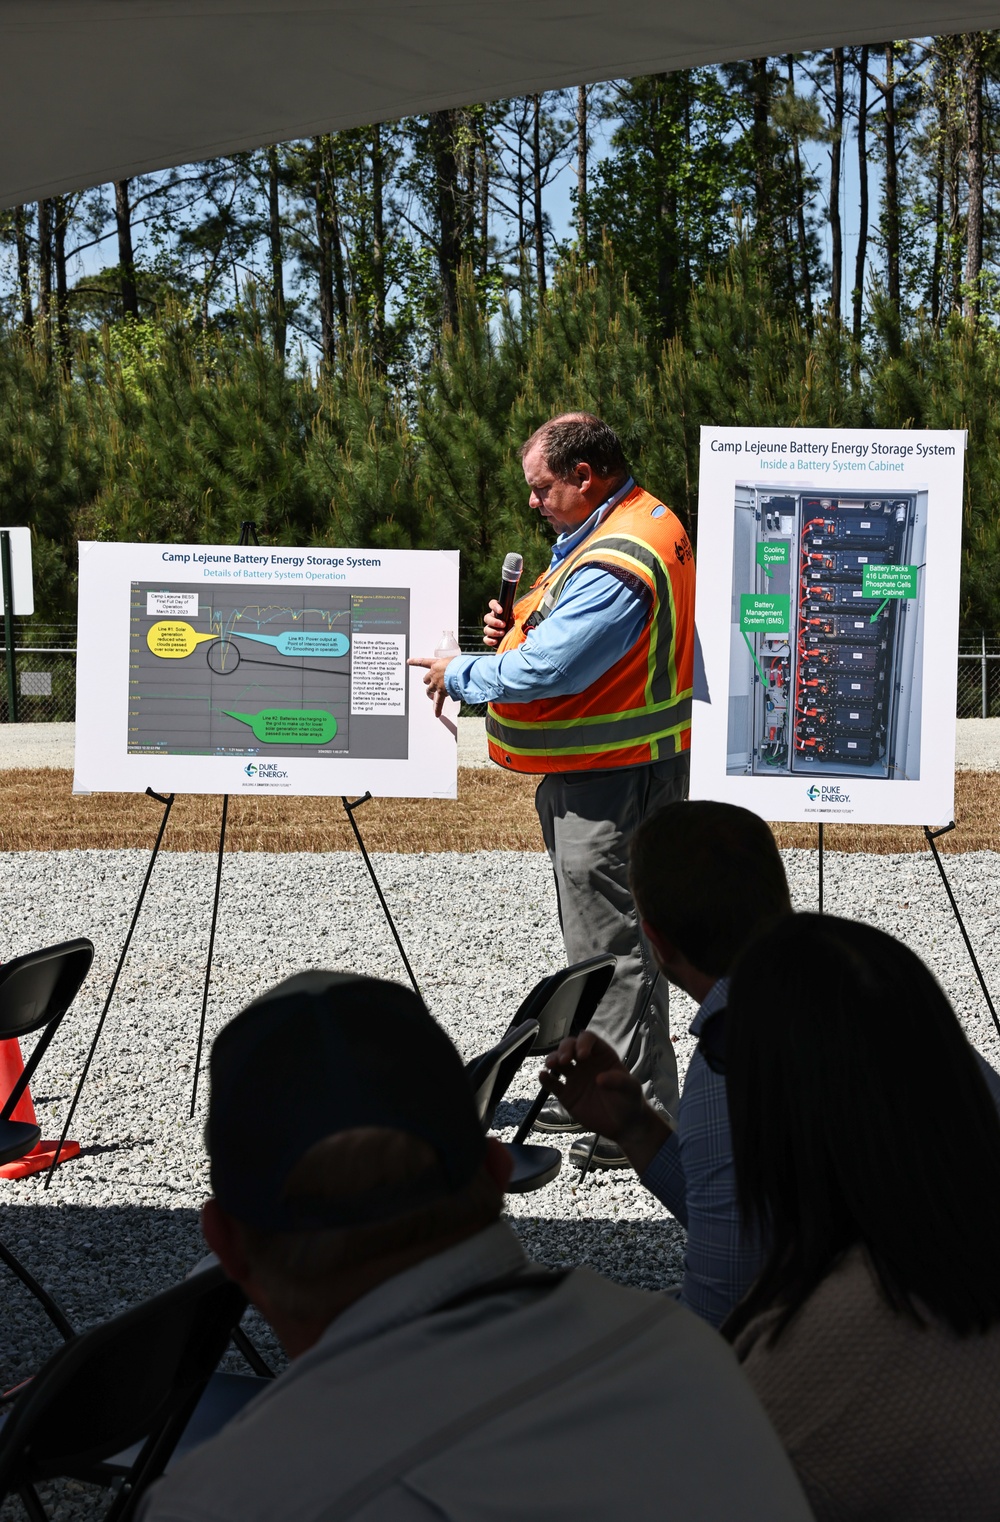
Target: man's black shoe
{"type": "Point", "coordinates": [553, 1117]}
{"type": "Point", "coordinates": [607, 1154]}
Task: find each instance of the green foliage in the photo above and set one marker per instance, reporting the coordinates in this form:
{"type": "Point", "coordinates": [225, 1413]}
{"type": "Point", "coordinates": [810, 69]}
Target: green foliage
{"type": "Point", "coordinates": [168, 431]}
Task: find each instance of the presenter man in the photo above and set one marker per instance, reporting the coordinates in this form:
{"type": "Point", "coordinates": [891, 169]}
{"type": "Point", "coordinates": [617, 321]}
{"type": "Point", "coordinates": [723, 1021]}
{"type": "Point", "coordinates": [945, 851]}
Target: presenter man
{"type": "Point", "coordinates": [591, 688]}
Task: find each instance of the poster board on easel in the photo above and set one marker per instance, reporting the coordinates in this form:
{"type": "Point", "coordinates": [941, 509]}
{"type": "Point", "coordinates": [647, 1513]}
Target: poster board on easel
{"type": "Point", "coordinates": [827, 611]}
{"type": "Point", "coordinates": [255, 669]}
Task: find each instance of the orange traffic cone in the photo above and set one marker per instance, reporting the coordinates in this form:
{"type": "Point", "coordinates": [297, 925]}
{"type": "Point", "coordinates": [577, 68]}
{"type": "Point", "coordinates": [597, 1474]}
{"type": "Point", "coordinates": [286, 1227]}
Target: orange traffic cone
{"type": "Point", "coordinates": [40, 1157]}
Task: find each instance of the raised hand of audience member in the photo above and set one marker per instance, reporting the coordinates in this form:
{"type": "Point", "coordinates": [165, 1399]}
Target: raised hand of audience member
{"type": "Point", "coordinates": [586, 1075]}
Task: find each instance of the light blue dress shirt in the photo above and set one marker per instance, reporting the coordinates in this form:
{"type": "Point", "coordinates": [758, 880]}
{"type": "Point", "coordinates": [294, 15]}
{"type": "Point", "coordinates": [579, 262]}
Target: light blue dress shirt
{"type": "Point", "coordinates": [597, 619]}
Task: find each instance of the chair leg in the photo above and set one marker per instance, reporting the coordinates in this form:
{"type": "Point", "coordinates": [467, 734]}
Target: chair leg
{"type": "Point", "coordinates": [45, 1300]}
{"type": "Point", "coordinates": [242, 1342]}
{"type": "Point", "coordinates": [524, 1129]}
{"type": "Point", "coordinates": [32, 1505]}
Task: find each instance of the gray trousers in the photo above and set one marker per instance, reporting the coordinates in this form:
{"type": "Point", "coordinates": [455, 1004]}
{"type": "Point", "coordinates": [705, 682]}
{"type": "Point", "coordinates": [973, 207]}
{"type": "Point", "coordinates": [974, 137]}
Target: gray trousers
{"type": "Point", "coordinates": [587, 821]}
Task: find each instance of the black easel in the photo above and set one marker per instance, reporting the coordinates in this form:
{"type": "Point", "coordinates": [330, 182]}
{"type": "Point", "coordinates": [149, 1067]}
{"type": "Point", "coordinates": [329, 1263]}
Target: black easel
{"type": "Point", "coordinates": [932, 836]}
{"type": "Point", "coordinates": [349, 809]}
{"type": "Point", "coordinates": [248, 535]}
{"type": "Point", "coordinates": [167, 806]}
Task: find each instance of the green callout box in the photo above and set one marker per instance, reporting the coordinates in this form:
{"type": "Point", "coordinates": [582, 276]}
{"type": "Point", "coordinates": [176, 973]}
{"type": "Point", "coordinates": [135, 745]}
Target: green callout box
{"type": "Point", "coordinates": [889, 580]}
{"type": "Point", "coordinates": [771, 553]}
{"type": "Point", "coordinates": [289, 726]}
{"type": "Point", "coordinates": [765, 612]}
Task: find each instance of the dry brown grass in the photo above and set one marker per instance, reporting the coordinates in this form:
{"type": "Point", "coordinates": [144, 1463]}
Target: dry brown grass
{"type": "Point", "coordinates": [494, 811]}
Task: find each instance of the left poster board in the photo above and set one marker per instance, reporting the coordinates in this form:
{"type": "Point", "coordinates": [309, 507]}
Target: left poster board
{"type": "Point", "coordinates": [259, 669]}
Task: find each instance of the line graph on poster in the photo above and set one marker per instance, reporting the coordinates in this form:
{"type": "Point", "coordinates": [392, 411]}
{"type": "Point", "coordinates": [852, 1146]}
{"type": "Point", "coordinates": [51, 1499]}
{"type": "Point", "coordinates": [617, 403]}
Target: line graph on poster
{"type": "Point", "coordinates": [223, 671]}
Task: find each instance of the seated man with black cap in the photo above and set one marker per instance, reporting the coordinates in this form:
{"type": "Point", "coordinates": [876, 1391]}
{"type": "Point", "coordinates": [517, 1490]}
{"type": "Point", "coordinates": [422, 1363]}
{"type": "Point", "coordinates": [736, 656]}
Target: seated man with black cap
{"type": "Point", "coordinates": [435, 1373]}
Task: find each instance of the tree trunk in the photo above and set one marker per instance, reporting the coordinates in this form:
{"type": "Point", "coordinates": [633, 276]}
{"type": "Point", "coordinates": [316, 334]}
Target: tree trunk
{"type": "Point", "coordinates": [332, 204]}
{"type": "Point", "coordinates": [484, 205]}
{"type": "Point", "coordinates": [800, 209]}
{"type": "Point", "coordinates": [954, 197]}
{"type": "Point", "coordinates": [862, 253]}
{"type": "Point", "coordinates": [973, 69]}
{"type": "Point", "coordinates": [938, 233]}
{"type": "Point", "coordinates": [378, 243]}
{"type": "Point", "coordinates": [45, 274]}
{"type": "Point", "coordinates": [581, 171]}
{"type": "Point", "coordinates": [324, 248]}
{"type": "Point", "coordinates": [60, 222]}
{"type": "Point", "coordinates": [536, 172]}
{"type": "Point", "coordinates": [442, 137]}
{"type": "Point", "coordinates": [278, 316]}
{"type": "Point", "coordinates": [126, 256]}
{"type": "Point", "coordinates": [23, 267]}
{"type": "Point", "coordinates": [761, 149]}
{"type": "Point", "coordinates": [891, 186]}
{"type": "Point", "coordinates": [836, 156]}
{"type": "Point", "coordinates": [662, 118]}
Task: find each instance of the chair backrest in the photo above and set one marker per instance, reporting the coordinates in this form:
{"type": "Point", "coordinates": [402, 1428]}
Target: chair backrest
{"type": "Point", "coordinates": [135, 1378]}
{"type": "Point", "coordinates": [564, 1002]}
{"type": "Point", "coordinates": [40, 987]}
{"type": "Point", "coordinates": [491, 1074]}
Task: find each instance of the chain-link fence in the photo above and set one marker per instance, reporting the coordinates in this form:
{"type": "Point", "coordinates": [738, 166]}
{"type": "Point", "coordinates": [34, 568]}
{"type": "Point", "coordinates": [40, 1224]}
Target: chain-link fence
{"type": "Point", "coordinates": [45, 674]}
{"type": "Point", "coordinates": [978, 677]}
{"type": "Point", "coordinates": [45, 668]}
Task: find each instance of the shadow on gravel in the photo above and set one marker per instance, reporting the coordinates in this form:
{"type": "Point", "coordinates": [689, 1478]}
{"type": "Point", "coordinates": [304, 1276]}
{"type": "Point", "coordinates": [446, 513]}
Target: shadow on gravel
{"type": "Point", "coordinates": [645, 1254]}
{"type": "Point", "coordinates": [131, 1145]}
{"type": "Point", "coordinates": [96, 1261]}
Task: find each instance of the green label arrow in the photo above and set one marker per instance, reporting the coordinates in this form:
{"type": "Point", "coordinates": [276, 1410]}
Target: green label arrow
{"type": "Point", "coordinates": [760, 673]}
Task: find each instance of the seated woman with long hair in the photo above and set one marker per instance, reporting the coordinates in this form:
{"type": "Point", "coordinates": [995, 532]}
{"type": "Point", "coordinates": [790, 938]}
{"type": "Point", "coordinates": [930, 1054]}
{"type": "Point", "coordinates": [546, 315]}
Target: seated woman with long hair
{"type": "Point", "coordinates": [867, 1153]}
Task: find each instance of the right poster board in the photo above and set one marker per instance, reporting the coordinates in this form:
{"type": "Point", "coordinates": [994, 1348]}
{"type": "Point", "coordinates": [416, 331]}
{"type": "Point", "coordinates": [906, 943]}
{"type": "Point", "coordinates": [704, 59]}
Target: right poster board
{"type": "Point", "coordinates": [827, 610]}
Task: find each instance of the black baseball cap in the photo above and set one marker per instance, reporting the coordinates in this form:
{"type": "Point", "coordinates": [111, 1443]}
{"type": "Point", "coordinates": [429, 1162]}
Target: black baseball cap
{"type": "Point", "coordinates": [325, 1052]}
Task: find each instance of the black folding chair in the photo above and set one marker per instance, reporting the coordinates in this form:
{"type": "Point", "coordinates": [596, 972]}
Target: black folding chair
{"type": "Point", "coordinates": [563, 1005]}
{"type": "Point", "coordinates": [36, 990]}
{"type": "Point", "coordinates": [113, 1406]}
{"type": "Point", "coordinates": [491, 1076]}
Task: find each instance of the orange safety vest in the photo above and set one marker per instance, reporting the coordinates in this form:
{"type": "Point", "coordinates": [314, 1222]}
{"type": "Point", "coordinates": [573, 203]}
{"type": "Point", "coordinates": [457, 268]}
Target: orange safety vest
{"type": "Point", "coordinates": [639, 710]}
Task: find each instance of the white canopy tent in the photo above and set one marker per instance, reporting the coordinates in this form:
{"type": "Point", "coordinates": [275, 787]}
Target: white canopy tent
{"type": "Point", "coordinates": [98, 90]}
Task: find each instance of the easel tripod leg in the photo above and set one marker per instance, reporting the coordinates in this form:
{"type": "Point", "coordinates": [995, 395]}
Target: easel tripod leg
{"type": "Point", "coordinates": [931, 837]}
{"type": "Point", "coordinates": [168, 804]}
{"type": "Point", "coordinates": [349, 810]}
{"type": "Point", "coordinates": [211, 950]}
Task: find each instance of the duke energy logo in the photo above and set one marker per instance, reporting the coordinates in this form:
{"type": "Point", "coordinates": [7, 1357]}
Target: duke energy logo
{"type": "Point", "coordinates": [250, 770]}
{"type": "Point", "coordinates": [830, 794]}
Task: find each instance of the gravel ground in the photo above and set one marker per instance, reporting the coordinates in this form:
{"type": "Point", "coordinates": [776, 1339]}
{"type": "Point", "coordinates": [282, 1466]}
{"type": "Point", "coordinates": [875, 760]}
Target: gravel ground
{"type": "Point", "coordinates": [120, 1222]}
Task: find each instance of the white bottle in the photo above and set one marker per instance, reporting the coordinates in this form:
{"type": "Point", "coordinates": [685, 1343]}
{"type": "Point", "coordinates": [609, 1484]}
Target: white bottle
{"type": "Point", "coordinates": [447, 649]}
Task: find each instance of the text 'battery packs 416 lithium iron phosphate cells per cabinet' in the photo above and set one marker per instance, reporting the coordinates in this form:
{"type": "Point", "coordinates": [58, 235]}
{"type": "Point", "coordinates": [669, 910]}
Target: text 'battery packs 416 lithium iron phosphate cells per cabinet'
{"type": "Point", "coordinates": [827, 634]}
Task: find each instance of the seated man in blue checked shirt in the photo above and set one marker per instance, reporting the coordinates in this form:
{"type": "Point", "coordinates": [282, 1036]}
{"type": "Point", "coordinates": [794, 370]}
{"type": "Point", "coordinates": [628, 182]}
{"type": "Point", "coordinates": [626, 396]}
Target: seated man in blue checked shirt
{"type": "Point", "coordinates": [705, 878]}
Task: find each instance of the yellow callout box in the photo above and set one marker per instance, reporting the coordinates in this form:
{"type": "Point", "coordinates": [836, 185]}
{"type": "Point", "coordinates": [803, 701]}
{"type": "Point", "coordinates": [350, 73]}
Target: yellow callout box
{"type": "Point", "coordinates": [172, 639]}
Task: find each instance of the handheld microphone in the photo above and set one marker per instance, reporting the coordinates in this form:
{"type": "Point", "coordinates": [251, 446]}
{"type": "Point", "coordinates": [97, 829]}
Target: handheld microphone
{"type": "Point", "coordinates": [509, 578]}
